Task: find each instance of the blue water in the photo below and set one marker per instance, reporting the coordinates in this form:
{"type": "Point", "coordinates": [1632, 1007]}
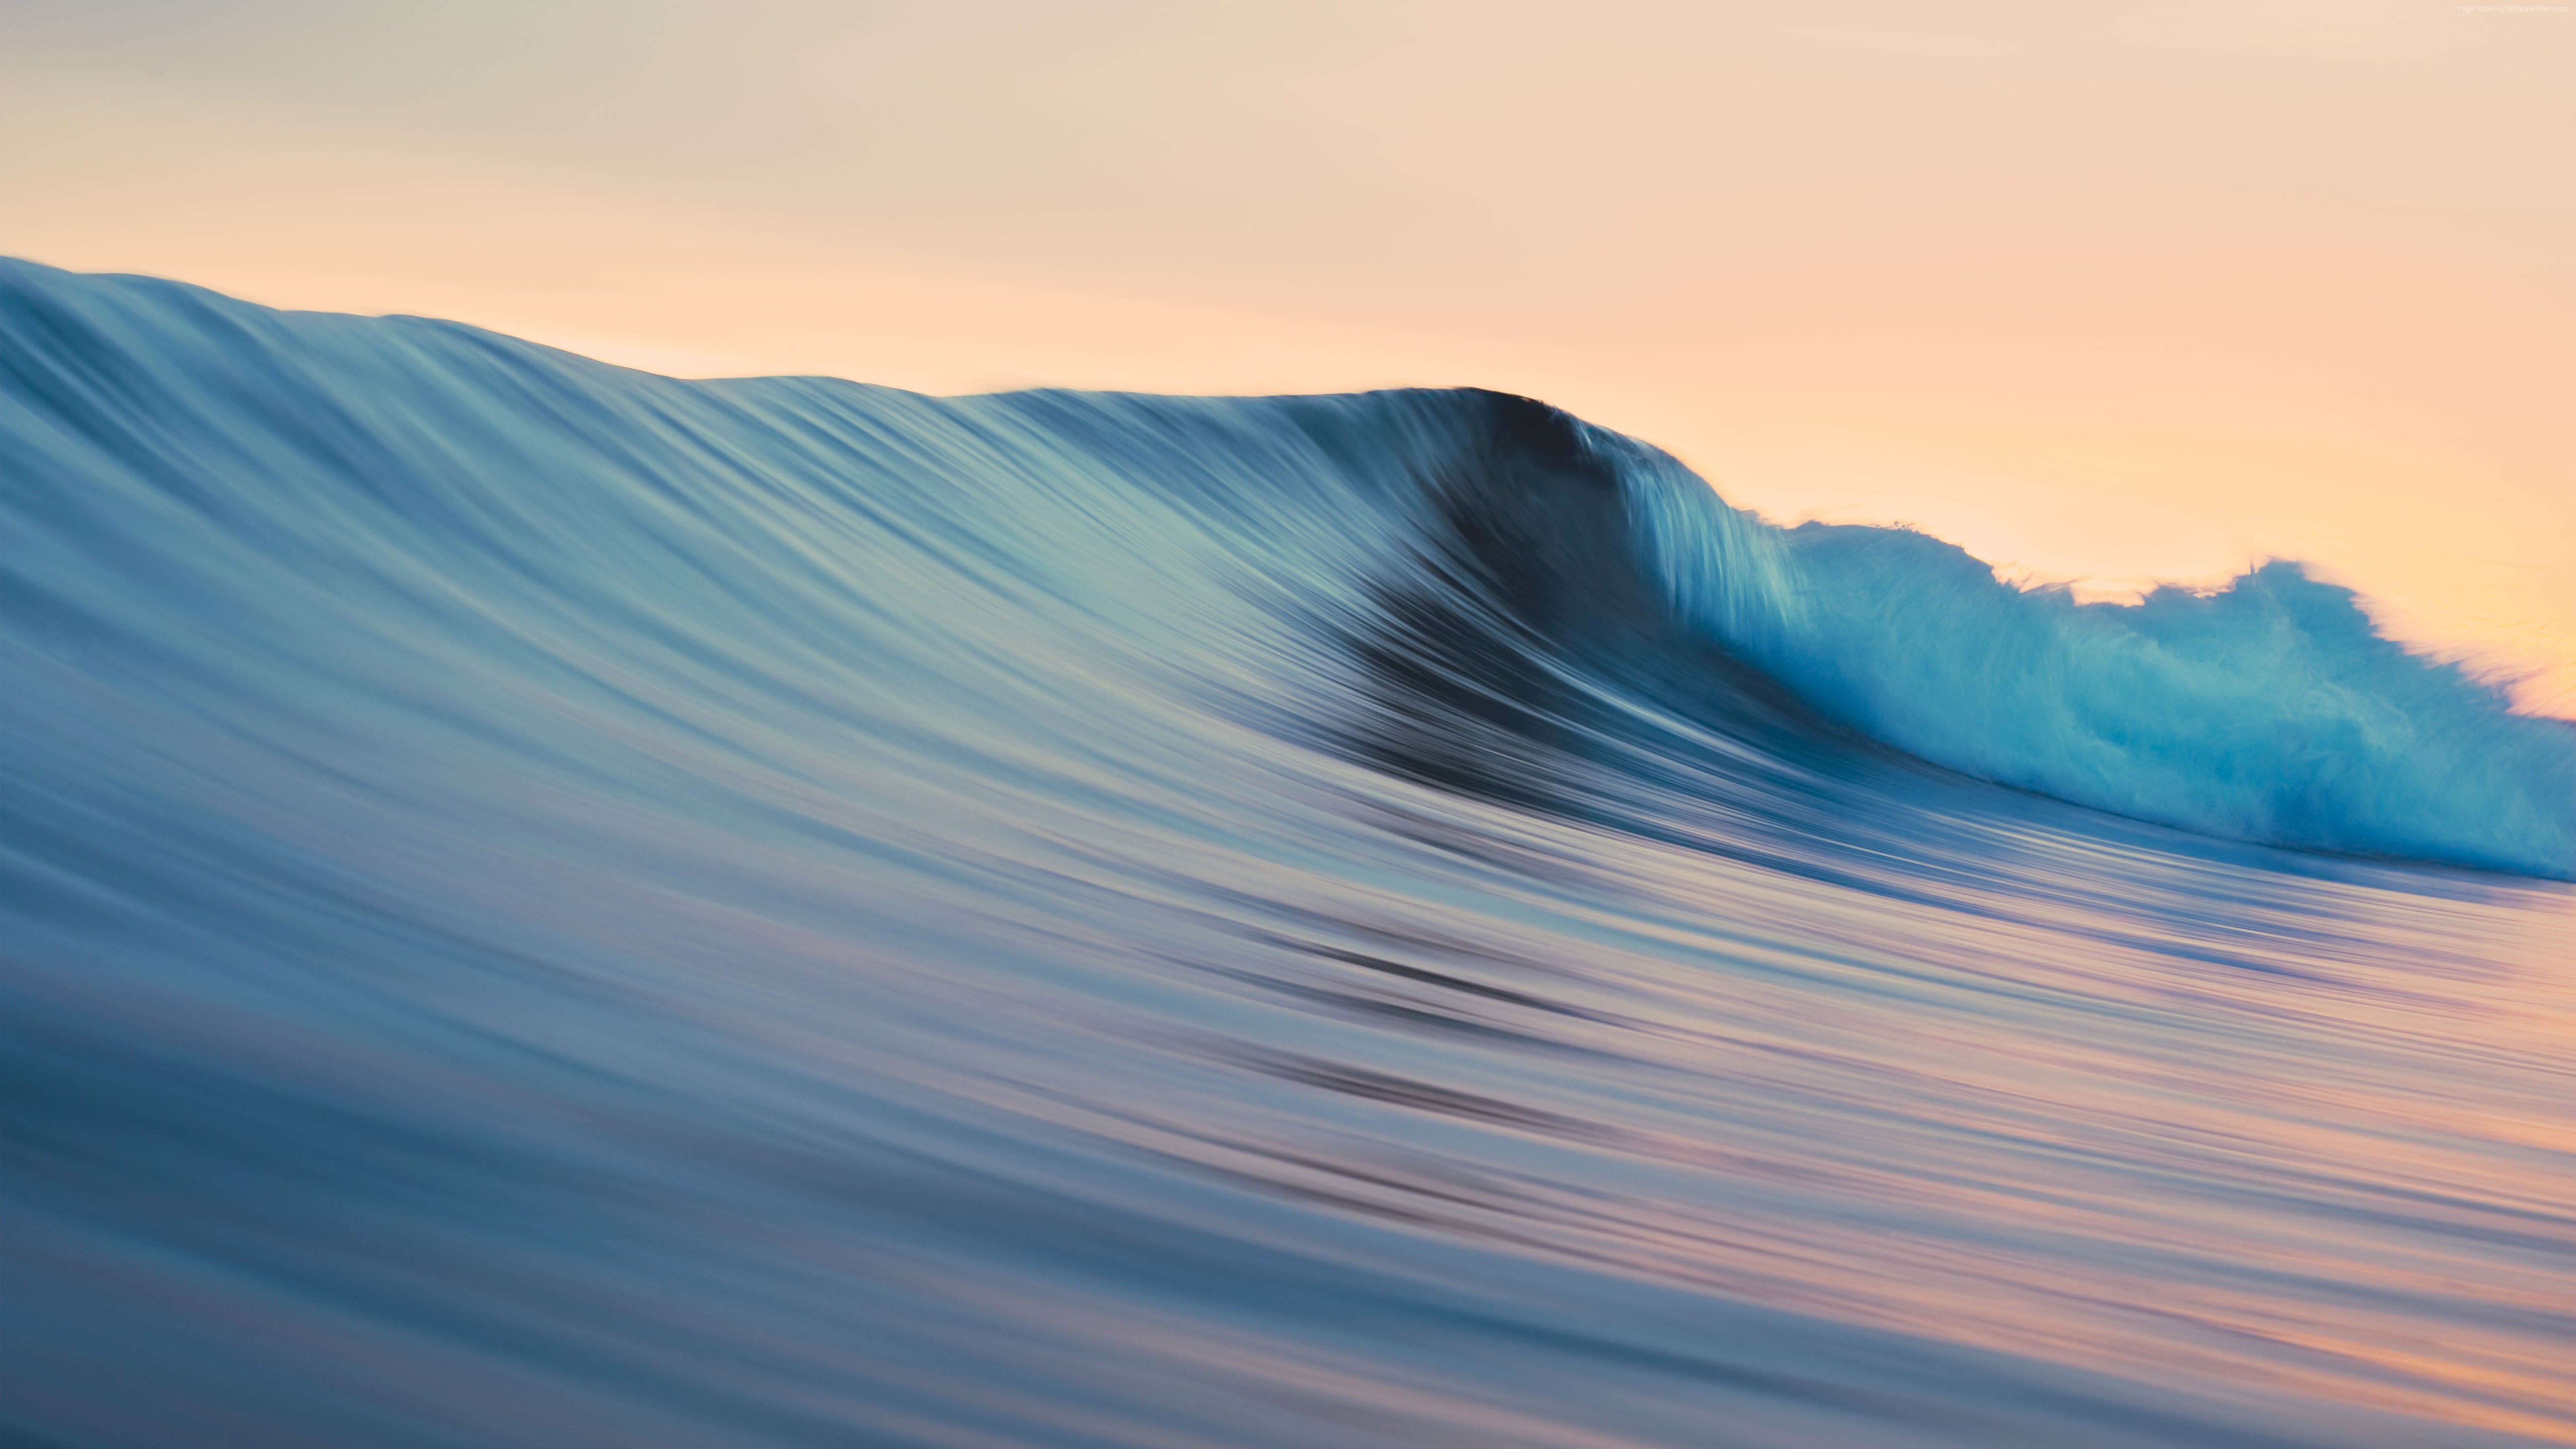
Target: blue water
{"type": "Point", "coordinates": [545, 905]}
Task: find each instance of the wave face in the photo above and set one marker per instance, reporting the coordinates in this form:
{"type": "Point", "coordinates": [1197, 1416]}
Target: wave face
{"type": "Point", "coordinates": [545, 905]}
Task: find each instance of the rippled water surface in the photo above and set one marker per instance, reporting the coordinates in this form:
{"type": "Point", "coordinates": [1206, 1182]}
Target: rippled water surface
{"type": "Point", "coordinates": [541, 905]}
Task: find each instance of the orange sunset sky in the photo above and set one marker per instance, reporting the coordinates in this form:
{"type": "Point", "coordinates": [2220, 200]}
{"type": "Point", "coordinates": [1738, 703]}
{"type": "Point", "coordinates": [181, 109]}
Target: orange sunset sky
{"type": "Point", "coordinates": [2107, 293]}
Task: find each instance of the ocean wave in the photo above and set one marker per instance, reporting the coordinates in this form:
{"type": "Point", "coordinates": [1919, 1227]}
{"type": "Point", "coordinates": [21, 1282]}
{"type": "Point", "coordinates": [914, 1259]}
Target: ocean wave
{"type": "Point", "coordinates": [543, 905]}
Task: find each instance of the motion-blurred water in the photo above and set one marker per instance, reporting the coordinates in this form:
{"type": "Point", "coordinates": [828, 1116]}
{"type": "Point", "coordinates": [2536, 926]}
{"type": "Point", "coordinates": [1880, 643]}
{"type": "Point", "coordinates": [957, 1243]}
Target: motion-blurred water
{"type": "Point", "coordinates": [543, 905]}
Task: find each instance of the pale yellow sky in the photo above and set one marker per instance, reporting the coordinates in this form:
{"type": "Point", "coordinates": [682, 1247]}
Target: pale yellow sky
{"type": "Point", "coordinates": [2103, 293]}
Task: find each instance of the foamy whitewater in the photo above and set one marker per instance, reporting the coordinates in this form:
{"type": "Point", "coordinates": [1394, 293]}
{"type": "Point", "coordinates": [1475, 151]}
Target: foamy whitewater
{"type": "Point", "coordinates": [546, 905]}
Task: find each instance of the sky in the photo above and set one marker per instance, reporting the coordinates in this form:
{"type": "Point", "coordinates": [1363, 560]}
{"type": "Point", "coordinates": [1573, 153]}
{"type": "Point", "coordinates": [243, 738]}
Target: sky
{"type": "Point", "coordinates": [2108, 294]}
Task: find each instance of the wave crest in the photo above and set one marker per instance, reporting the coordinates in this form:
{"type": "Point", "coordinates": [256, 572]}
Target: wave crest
{"type": "Point", "coordinates": [2271, 710]}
